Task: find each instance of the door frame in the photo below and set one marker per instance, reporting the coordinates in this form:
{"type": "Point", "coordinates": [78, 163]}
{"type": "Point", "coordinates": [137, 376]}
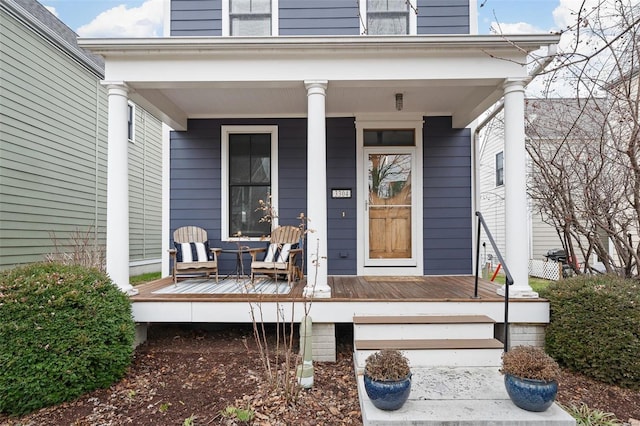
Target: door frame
{"type": "Point", "coordinates": [406, 267]}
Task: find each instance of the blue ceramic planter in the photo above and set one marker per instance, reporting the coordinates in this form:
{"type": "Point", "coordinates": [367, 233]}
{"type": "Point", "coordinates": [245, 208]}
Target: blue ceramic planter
{"type": "Point", "coordinates": [388, 395]}
{"type": "Point", "coordinates": [530, 395]}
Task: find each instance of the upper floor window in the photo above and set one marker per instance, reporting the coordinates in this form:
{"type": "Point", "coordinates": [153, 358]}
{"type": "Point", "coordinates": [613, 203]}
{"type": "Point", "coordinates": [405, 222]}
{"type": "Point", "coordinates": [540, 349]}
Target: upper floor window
{"type": "Point", "coordinates": [388, 17]}
{"type": "Point", "coordinates": [250, 17]}
{"type": "Point", "coordinates": [500, 168]}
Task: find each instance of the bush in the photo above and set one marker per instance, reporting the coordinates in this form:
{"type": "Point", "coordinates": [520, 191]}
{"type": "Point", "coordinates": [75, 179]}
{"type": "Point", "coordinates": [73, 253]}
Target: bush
{"type": "Point", "coordinates": [64, 331]}
{"type": "Point", "coordinates": [530, 362]}
{"type": "Point", "coordinates": [595, 327]}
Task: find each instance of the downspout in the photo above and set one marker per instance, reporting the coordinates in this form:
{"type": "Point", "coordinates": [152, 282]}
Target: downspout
{"type": "Point", "coordinates": [541, 64]}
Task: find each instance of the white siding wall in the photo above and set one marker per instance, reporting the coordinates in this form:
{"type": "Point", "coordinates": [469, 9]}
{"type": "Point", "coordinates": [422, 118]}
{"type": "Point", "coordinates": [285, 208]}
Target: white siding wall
{"type": "Point", "coordinates": [491, 196]}
{"type": "Point", "coordinates": [544, 237]}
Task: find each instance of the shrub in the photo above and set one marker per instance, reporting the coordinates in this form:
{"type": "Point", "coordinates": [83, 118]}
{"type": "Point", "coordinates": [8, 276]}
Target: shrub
{"type": "Point", "coordinates": [387, 365]}
{"type": "Point", "coordinates": [530, 362]}
{"type": "Point", "coordinates": [595, 327]}
{"type": "Point", "coordinates": [64, 330]}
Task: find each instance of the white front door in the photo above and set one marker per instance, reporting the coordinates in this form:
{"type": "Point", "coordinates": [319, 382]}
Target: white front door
{"type": "Point", "coordinates": [390, 220]}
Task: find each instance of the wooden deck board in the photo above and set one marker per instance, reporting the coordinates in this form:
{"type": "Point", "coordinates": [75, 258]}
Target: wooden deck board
{"type": "Point", "coordinates": [350, 288]}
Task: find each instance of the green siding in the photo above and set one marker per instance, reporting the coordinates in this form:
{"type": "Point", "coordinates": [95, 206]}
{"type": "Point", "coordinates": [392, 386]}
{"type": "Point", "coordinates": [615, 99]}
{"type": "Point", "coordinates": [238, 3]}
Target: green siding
{"type": "Point", "coordinates": [53, 153]}
{"type": "Point", "coordinates": [145, 188]}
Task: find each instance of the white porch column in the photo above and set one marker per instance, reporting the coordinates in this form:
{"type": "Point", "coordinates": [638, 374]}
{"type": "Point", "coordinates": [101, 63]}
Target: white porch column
{"type": "Point", "coordinates": [515, 182]}
{"type": "Point", "coordinates": [118, 188]}
{"type": "Point", "coordinates": [317, 282]}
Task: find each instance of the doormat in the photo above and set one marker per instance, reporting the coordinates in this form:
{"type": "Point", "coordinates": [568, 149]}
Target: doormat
{"type": "Point", "coordinates": [231, 285]}
{"type": "Point", "coordinates": [394, 279]}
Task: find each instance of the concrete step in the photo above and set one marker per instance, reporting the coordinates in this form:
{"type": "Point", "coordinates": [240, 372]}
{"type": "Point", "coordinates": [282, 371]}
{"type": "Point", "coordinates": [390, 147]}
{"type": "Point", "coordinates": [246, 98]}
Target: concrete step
{"type": "Point", "coordinates": [461, 396]}
{"type": "Point", "coordinates": [426, 329]}
{"type": "Point", "coordinates": [436, 352]}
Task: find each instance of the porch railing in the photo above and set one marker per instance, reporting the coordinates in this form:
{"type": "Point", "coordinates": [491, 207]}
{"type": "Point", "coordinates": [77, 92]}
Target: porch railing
{"type": "Point", "coordinates": [508, 281]}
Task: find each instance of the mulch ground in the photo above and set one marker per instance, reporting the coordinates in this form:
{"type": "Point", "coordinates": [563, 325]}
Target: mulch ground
{"type": "Point", "coordinates": [186, 376]}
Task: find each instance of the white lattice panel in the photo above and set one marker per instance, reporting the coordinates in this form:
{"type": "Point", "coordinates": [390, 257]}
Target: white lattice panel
{"type": "Point", "coordinates": [545, 269]}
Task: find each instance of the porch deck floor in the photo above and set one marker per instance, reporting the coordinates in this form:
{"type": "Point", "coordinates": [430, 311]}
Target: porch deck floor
{"type": "Point", "coordinates": [350, 288]}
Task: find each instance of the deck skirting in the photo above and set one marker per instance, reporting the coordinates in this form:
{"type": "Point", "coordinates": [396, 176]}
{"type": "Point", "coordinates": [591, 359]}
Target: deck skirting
{"type": "Point", "coordinates": [440, 297]}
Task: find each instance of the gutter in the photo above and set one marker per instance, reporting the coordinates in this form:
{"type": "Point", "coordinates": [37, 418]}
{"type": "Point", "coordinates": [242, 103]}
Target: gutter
{"type": "Point", "coordinates": [199, 45]}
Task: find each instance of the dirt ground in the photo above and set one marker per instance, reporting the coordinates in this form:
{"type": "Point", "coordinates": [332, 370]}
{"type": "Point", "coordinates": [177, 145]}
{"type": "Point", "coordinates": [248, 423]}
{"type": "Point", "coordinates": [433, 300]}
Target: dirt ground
{"type": "Point", "coordinates": [186, 376]}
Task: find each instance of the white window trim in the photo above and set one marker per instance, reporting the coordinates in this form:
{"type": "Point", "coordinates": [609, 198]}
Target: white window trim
{"type": "Point", "coordinates": [226, 22]}
{"type": "Point", "coordinates": [375, 121]}
{"type": "Point", "coordinates": [131, 139]}
{"type": "Point", "coordinates": [413, 17]}
{"type": "Point", "coordinates": [224, 178]}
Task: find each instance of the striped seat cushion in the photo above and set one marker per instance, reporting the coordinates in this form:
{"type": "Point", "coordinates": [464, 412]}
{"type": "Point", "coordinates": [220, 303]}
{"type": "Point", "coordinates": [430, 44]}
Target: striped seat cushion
{"type": "Point", "coordinates": [193, 252]}
{"type": "Point", "coordinates": [278, 252]}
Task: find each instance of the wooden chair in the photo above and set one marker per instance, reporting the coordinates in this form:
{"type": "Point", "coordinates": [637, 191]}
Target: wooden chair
{"type": "Point", "coordinates": [192, 254]}
{"type": "Point", "coordinates": [280, 258]}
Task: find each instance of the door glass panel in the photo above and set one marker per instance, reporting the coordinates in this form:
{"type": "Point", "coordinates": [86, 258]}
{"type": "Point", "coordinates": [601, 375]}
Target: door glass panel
{"type": "Point", "coordinates": [389, 206]}
{"type": "Point", "coordinates": [389, 138]}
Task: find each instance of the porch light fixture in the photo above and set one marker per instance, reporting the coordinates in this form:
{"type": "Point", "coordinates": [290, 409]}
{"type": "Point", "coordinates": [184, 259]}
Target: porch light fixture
{"type": "Point", "coordinates": [399, 102]}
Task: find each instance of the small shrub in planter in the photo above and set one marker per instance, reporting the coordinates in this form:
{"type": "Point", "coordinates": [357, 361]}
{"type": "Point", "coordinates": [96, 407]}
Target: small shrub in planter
{"type": "Point", "coordinates": [594, 327]}
{"type": "Point", "coordinates": [530, 362]}
{"type": "Point", "coordinates": [64, 331]}
{"type": "Point", "coordinates": [387, 379]}
{"type": "Point", "coordinates": [531, 377]}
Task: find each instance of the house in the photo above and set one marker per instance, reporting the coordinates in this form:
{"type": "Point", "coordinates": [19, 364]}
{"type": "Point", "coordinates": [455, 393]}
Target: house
{"type": "Point", "coordinates": [53, 148]}
{"type": "Point", "coordinates": [359, 115]}
{"type": "Point", "coordinates": [550, 123]}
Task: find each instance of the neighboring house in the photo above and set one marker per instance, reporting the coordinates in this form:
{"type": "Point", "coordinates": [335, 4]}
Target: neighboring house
{"type": "Point", "coordinates": [549, 123]}
{"type": "Point", "coordinates": [322, 92]}
{"type": "Point", "coordinates": [53, 147]}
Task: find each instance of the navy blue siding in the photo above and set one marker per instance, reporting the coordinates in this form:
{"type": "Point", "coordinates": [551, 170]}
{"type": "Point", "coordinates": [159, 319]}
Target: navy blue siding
{"type": "Point", "coordinates": [447, 217]}
{"type": "Point", "coordinates": [318, 17]}
{"type": "Point", "coordinates": [195, 182]}
{"type": "Point", "coordinates": [443, 16]}
{"type": "Point", "coordinates": [196, 17]}
{"type": "Point", "coordinates": [447, 198]}
{"type": "Point", "coordinates": [341, 173]}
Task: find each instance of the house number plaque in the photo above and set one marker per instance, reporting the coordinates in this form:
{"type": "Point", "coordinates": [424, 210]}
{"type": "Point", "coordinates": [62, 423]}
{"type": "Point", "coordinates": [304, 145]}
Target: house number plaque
{"type": "Point", "coordinates": [341, 193]}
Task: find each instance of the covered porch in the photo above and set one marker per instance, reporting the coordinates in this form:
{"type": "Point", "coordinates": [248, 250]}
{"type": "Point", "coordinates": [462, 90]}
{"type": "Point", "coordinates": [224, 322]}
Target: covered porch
{"type": "Point", "coordinates": [317, 96]}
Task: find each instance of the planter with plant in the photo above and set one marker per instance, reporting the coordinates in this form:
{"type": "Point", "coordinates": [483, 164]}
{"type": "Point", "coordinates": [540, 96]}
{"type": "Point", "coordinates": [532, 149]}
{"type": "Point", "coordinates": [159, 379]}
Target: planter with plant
{"type": "Point", "coordinates": [387, 379]}
{"type": "Point", "coordinates": [530, 377]}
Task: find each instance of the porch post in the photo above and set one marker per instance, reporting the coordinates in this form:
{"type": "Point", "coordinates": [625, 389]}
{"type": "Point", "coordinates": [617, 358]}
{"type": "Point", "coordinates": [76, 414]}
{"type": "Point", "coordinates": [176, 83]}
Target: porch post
{"type": "Point", "coordinates": [118, 187]}
{"type": "Point", "coordinates": [317, 283]}
{"type": "Point", "coordinates": [515, 181]}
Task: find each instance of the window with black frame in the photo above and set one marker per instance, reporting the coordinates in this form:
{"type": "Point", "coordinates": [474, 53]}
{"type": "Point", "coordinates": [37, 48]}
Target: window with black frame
{"type": "Point", "coordinates": [249, 182]}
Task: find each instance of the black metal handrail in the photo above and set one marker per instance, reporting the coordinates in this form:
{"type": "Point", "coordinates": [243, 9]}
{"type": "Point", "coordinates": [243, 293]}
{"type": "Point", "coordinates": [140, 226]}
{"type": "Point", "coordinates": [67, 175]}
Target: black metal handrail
{"type": "Point", "coordinates": [509, 278]}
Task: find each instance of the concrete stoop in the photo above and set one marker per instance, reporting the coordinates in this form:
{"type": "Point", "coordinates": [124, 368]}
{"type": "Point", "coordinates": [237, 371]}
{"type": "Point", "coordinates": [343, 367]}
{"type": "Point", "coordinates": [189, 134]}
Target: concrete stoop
{"type": "Point", "coordinates": [458, 396]}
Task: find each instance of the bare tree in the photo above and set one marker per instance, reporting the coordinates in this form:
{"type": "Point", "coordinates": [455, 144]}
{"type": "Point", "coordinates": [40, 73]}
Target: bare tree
{"type": "Point", "coordinates": [585, 153]}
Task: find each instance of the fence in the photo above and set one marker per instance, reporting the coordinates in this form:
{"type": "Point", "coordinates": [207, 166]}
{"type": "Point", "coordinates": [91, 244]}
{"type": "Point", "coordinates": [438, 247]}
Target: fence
{"type": "Point", "coordinates": [546, 269]}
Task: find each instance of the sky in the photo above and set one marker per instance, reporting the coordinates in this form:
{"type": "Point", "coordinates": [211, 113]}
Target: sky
{"type": "Point", "coordinates": [144, 18]}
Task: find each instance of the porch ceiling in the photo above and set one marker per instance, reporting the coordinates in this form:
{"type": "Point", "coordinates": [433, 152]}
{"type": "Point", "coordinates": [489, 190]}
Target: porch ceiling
{"type": "Point", "coordinates": [177, 79]}
{"type": "Point", "coordinates": [436, 97]}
